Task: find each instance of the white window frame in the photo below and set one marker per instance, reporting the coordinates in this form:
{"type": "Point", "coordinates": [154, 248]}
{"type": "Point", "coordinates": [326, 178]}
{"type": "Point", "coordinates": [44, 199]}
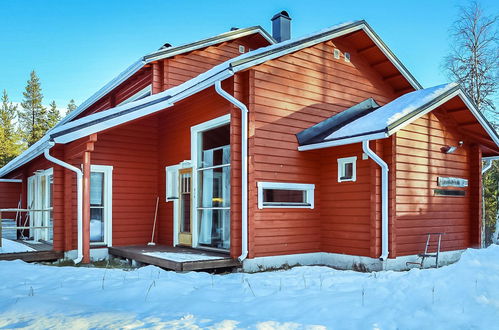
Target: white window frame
{"type": "Point", "coordinates": [341, 165]}
{"type": "Point", "coordinates": [308, 188]}
{"type": "Point", "coordinates": [195, 142]}
{"type": "Point", "coordinates": [171, 178]}
{"type": "Point", "coordinates": [139, 95]}
{"type": "Point", "coordinates": [35, 194]}
{"type": "Point", "coordinates": [108, 203]}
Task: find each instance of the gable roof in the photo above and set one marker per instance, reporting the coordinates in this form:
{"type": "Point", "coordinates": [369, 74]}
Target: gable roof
{"type": "Point", "coordinates": [160, 55]}
{"type": "Point", "coordinates": [390, 118]}
{"type": "Point", "coordinates": [67, 131]}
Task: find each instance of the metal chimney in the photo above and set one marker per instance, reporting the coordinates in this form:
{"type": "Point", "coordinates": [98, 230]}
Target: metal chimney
{"type": "Point", "coordinates": [281, 26]}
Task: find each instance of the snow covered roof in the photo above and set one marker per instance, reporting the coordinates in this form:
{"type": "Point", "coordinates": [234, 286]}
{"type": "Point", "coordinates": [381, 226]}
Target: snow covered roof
{"type": "Point", "coordinates": [67, 131]}
{"type": "Point", "coordinates": [162, 54]}
{"type": "Point", "coordinates": [388, 119]}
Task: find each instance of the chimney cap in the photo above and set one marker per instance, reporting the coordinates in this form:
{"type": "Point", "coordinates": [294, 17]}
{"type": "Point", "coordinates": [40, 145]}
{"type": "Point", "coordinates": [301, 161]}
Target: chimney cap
{"type": "Point", "coordinates": [283, 14]}
{"type": "Point", "coordinates": [234, 28]}
{"type": "Point", "coordinates": [166, 45]}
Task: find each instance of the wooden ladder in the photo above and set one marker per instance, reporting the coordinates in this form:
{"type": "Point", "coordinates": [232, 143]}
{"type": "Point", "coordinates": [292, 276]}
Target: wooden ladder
{"type": "Point", "coordinates": [428, 254]}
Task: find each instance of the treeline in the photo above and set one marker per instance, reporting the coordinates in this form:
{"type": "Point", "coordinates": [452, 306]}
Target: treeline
{"type": "Point", "coordinates": [22, 125]}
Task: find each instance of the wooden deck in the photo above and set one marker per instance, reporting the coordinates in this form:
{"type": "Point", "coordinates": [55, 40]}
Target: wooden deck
{"type": "Point", "coordinates": [174, 258]}
{"type": "Point", "coordinates": [43, 252]}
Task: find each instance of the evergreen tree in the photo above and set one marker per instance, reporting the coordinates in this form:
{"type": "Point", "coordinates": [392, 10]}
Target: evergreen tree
{"type": "Point", "coordinates": [33, 116]}
{"type": "Point", "coordinates": [10, 139]}
{"type": "Point", "coordinates": [53, 115]}
{"type": "Point", "coordinates": [71, 106]}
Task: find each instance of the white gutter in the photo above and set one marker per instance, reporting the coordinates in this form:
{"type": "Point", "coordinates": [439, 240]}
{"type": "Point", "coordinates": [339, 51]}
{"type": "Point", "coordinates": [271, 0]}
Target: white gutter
{"type": "Point", "coordinates": [79, 194]}
{"type": "Point", "coordinates": [244, 167]}
{"type": "Point", "coordinates": [384, 198]}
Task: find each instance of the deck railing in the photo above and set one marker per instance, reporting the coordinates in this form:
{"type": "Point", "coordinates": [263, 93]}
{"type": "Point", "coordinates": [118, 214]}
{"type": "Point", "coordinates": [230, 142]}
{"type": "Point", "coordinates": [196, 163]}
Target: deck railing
{"type": "Point", "coordinates": [19, 210]}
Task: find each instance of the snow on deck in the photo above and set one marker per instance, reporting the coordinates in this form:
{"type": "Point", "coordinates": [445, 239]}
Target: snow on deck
{"type": "Point", "coordinates": [460, 296]}
{"type": "Point", "coordinates": [9, 246]}
{"type": "Point", "coordinates": [181, 257]}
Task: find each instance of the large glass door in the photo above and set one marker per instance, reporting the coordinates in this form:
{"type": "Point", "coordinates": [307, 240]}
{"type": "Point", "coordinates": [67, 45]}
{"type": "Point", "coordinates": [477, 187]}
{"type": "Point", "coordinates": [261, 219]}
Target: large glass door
{"type": "Point", "coordinates": [213, 202]}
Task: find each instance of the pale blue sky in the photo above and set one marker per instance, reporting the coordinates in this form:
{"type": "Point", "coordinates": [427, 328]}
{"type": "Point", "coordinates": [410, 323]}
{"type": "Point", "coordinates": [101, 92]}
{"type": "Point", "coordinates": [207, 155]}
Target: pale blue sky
{"type": "Point", "coordinates": [78, 46]}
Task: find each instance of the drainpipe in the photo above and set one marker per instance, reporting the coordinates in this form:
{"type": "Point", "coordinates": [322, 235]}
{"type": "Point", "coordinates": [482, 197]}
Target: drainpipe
{"type": "Point", "coordinates": [79, 194]}
{"type": "Point", "coordinates": [244, 166]}
{"type": "Point", "coordinates": [384, 198]}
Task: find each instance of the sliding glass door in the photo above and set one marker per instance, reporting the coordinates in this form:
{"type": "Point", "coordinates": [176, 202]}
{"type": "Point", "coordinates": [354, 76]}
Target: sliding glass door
{"type": "Point", "coordinates": [213, 197]}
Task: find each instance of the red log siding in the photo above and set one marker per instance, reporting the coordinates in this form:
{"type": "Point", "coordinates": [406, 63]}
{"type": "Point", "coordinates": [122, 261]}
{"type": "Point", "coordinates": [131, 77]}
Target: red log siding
{"type": "Point", "coordinates": [419, 163]}
{"type": "Point", "coordinates": [175, 144]}
{"type": "Point", "coordinates": [345, 214]}
{"type": "Point", "coordinates": [292, 93]}
{"type": "Point", "coordinates": [10, 193]}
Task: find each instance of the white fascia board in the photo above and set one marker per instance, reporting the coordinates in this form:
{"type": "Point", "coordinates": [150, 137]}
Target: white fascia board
{"type": "Point", "coordinates": [481, 119]}
{"type": "Point", "coordinates": [342, 142]}
{"type": "Point", "coordinates": [32, 152]}
{"type": "Point", "coordinates": [11, 180]}
{"type": "Point", "coordinates": [179, 93]}
{"type": "Point", "coordinates": [392, 59]}
{"type": "Point", "coordinates": [458, 92]}
{"type": "Point", "coordinates": [491, 158]}
{"type": "Point", "coordinates": [294, 49]}
{"type": "Point", "coordinates": [207, 44]}
{"type": "Point", "coordinates": [424, 112]}
{"type": "Point", "coordinates": [127, 73]}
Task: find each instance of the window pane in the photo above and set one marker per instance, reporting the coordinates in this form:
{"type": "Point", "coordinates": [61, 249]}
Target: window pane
{"type": "Point", "coordinates": [215, 146]}
{"type": "Point", "coordinates": [96, 188]}
{"type": "Point", "coordinates": [214, 228]}
{"type": "Point", "coordinates": [284, 196]}
{"type": "Point", "coordinates": [347, 171]}
{"type": "Point", "coordinates": [215, 187]}
{"type": "Point", "coordinates": [96, 225]}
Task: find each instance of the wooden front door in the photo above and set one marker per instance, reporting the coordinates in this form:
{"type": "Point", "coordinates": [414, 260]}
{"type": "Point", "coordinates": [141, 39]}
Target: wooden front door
{"type": "Point", "coordinates": [185, 203]}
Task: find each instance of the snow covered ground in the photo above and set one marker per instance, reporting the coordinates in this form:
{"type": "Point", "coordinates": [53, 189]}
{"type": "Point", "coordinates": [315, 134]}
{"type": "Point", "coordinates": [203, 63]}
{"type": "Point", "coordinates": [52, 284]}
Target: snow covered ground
{"type": "Point", "coordinates": [9, 246]}
{"type": "Point", "coordinates": [460, 296]}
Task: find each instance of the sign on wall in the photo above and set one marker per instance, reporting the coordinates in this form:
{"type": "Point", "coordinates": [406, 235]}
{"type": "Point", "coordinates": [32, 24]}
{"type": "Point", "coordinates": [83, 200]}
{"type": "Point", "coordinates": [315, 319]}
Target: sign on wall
{"type": "Point", "coordinates": [452, 182]}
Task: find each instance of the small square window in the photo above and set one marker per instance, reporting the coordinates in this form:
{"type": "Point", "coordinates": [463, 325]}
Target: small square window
{"type": "Point", "coordinates": [336, 53]}
{"type": "Point", "coordinates": [347, 169]}
{"type": "Point", "coordinates": [285, 195]}
{"type": "Point", "coordinates": [347, 57]}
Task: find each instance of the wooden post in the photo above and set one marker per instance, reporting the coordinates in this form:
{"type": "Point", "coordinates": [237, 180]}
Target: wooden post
{"type": "Point", "coordinates": [86, 207]}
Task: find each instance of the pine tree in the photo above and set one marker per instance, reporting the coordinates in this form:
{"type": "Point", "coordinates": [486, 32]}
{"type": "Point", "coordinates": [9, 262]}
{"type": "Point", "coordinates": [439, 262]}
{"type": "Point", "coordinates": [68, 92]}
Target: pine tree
{"type": "Point", "coordinates": [71, 106]}
{"type": "Point", "coordinates": [10, 139]}
{"type": "Point", "coordinates": [33, 116]}
{"type": "Point", "coordinates": [53, 115]}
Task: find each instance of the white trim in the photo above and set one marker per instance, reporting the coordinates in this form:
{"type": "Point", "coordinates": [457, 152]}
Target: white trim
{"type": "Point", "coordinates": [341, 142]}
{"type": "Point", "coordinates": [309, 190]}
{"type": "Point", "coordinates": [341, 166]}
{"type": "Point", "coordinates": [11, 180]}
{"type": "Point", "coordinates": [344, 261]}
{"type": "Point", "coordinates": [108, 202]}
{"type": "Point", "coordinates": [384, 198]}
{"type": "Point", "coordinates": [195, 141]}
{"type": "Point", "coordinates": [176, 205]}
{"type": "Point", "coordinates": [139, 95]}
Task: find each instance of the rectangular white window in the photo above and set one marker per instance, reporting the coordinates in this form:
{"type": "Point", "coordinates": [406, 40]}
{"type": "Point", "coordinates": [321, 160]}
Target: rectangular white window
{"type": "Point", "coordinates": [100, 204]}
{"type": "Point", "coordinates": [285, 195]}
{"type": "Point", "coordinates": [347, 169]}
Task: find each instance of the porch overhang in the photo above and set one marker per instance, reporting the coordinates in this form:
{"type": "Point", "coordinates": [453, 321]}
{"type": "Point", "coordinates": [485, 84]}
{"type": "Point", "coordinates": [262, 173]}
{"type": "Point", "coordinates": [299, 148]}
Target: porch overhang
{"type": "Point", "coordinates": [381, 122]}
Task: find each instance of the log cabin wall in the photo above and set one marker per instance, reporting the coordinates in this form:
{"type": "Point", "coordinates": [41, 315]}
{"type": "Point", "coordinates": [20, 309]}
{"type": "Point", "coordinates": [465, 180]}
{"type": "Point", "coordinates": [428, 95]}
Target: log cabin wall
{"type": "Point", "coordinates": [290, 94]}
{"type": "Point", "coordinates": [418, 165]}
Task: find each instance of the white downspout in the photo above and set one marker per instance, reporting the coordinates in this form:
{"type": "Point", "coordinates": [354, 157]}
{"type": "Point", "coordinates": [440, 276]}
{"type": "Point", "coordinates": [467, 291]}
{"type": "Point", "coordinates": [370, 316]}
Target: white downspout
{"type": "Point", "coordinates": [244, 166]}
{"type": "Point", "coordinates": [384, 198]}
{"type": "Point", "coordinates": [79, 194]}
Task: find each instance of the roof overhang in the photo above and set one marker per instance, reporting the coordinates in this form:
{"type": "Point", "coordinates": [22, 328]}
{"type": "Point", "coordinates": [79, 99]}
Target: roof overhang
{"type": "Point", "coordinates": [67, 131]}
{"type": "Point", "coordinates": [160, 55]}
{"type": "Point", "coordinates": [407, 119]}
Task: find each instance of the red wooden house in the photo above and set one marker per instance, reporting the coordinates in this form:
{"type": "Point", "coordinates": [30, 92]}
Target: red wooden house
{"type": "Point", "coordinates": [317, 150]}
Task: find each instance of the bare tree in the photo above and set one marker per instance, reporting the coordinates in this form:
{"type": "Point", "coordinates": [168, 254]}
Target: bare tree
{"type": "Point", "coordinates": [473, 60]}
